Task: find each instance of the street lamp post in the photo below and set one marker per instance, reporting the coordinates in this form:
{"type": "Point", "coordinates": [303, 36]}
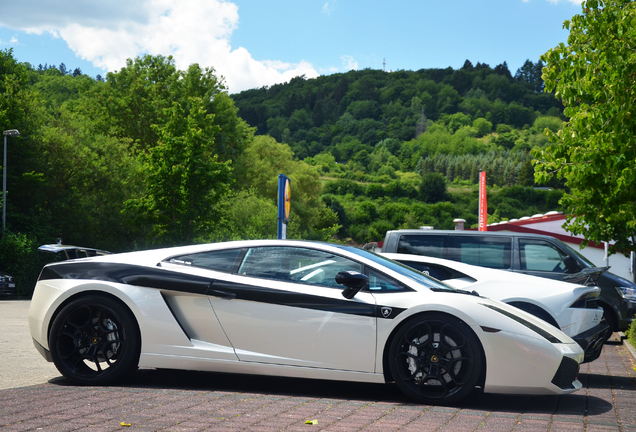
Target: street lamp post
{"type": "Point", "coordinates": [11, 133]}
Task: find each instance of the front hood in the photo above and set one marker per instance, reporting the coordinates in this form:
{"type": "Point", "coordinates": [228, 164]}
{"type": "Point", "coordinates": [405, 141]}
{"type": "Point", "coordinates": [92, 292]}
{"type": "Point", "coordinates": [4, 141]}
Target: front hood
{"type": "Point", "coordinates": [618, 281]}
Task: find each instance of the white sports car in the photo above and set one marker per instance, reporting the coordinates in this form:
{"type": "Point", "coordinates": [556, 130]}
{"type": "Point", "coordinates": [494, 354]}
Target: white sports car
{"type": "Point", "coordinates": [569, 307]}
{"type": "Point", "coordinates": [295, 309]}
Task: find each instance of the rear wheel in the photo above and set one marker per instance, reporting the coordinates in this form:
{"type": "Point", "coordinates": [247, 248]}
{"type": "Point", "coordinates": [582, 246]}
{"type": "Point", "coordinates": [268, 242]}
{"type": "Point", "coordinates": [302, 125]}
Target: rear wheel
{"type": "Point", "coordinates": [95, 340]}
{"type": "Point", "coordinates": [436, 359]}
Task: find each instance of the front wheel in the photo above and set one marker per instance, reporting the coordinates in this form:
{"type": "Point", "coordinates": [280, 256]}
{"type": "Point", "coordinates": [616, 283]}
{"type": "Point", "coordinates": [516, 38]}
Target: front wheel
{"type": "Point", "coordinates": [95, 340]}
{"type": "Point", "coordinates": [610, 320]}
{"type": "Point", "coordinates": [436, 359]}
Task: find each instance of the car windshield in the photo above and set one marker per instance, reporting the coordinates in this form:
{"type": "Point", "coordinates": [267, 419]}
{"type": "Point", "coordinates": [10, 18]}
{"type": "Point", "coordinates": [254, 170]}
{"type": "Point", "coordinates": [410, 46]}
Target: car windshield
{"type": "Point", "coordinates": [402, 269]}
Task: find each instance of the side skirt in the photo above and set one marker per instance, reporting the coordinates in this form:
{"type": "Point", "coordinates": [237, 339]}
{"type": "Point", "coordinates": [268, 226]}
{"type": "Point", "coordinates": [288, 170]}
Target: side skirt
{"type": "Point", "coordinates": [232, 366]}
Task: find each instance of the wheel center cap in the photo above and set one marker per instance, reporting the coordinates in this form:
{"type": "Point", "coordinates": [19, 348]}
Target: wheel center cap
{"type": "Point", "coordinates": [94, 340]}
{"type": "Point", "coordinates": [434, 359]}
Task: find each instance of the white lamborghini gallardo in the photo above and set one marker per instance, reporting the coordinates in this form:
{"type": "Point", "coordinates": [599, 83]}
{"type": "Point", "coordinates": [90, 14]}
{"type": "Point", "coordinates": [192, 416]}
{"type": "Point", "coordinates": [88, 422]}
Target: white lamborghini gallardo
{"type": "Point", "coordinates": [294, 309]}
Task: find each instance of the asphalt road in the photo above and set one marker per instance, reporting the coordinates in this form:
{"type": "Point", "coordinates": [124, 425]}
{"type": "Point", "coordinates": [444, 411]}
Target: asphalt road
{"type": "Point", "coordinates": [20, 364]}
{"type": "Point", "coordinates": [33, 396]}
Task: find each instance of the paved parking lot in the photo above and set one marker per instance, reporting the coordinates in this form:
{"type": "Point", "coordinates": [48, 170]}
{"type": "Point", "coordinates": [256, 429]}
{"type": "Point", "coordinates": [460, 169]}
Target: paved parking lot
{"type": "Point", "coordinates": [35, 397]}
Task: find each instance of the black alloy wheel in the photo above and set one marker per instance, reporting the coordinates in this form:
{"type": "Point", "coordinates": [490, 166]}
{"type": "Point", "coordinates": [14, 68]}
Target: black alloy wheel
{"type": "Point", "coordinates": [436, 359]}
{"type": "Point", "coordinates": [94, 340]}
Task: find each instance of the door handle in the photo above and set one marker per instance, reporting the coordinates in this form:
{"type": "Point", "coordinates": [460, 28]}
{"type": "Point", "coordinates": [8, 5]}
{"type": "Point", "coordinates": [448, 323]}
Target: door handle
{"type": "Point", "coordinates": [222, 294]}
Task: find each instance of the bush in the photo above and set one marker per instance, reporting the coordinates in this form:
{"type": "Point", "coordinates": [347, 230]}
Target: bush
{"type": "Point", "coordinates": [343, 187]}
{"type": "Point", "coordinates": [20, 258]}
{"type": "Point", "coordinates": [631, 334]}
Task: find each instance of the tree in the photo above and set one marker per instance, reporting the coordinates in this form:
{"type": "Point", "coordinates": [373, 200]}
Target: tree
{"type": "Point", "coordinates": [433, 188]}
{"type": "Point", "coordinates": [595, 152]}
{"type": "Point", "coordinates": [141, 94]}
{"type": "Point", "coordinates": [185, 179]}
{"type": "Point", "coordinates": [526, 174]}
{"type": "Point", "coordinates": [21, 109]}
{"type": "Point", "coordinates": [502, 69]}
{"type": "Point", "coordinates": [530, 75]}
{"type": "Point", "coordinates": [257, 169]}
{"type": "Point", "coordinates": [85, 174]}
{"type": "Point", "coordinates": [483, 127]}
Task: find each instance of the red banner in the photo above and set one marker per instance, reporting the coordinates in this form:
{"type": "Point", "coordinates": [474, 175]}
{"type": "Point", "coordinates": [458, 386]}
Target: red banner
{"type": "Point", "coordinates": [483, 203]}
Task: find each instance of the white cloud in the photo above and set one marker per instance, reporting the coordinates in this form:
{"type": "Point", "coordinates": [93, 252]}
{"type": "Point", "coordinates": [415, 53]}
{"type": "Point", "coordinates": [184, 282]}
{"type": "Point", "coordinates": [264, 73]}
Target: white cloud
{"type": "Point", "coordinates": [349, 62]}
{"type": "Point", "coordinates": [327, 8]}
{"type": "Point", "coordinates": [192, 31]}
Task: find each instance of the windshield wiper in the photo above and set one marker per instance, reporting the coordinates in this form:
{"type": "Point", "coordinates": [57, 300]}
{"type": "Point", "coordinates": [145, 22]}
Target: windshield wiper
{"type": "Point", "coordinates": [456, 291]}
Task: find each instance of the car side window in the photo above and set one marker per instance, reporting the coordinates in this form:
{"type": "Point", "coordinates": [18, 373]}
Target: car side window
{"type": "Point", "coordinates": [297, 265]}
{"type": "Point", "coordinates": [221, 260]}
{"type": "Point", "coordinates": [379, 283]}
{"type": "Point", "coordinates": [484, 251]}
{"type": "Point", "coordinates": [540, 255]}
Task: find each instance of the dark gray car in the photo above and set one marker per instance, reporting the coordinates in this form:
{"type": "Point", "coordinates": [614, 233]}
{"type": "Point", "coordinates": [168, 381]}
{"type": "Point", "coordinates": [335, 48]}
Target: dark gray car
{"type": "Point", "coordinates": [7, 285]}
{"type": "Point", "coordinates": [532, 254]}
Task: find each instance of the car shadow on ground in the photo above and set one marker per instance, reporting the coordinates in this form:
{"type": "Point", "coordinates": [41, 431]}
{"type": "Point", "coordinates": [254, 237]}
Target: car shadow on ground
{"type": "Point", "coordinates": [598, 381]}
{"type": "Point", "coordinates": [362, 392]}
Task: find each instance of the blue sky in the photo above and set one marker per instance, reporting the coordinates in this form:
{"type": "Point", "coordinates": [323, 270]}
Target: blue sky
{"type": "Point", "coordinates": [254, 43]}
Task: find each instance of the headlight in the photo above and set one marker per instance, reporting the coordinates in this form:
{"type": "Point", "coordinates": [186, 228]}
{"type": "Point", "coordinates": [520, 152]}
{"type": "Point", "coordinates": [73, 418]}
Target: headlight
{"type": "Point", "coordinates": [625, 292]}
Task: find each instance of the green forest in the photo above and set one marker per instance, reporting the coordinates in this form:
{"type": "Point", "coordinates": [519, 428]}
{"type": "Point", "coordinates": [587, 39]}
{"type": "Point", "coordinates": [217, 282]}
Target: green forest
{"type": "Point", "coordinates": [153, 156]}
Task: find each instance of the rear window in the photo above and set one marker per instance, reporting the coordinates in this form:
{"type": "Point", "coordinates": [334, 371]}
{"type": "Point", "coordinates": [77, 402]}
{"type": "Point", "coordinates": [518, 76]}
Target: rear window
{"type": "Point", "coordinates": [484, 251]}
{"type": "Point", "coordinates": [427, 245]}
{"type": "Point", "coordinates": [220, 260]}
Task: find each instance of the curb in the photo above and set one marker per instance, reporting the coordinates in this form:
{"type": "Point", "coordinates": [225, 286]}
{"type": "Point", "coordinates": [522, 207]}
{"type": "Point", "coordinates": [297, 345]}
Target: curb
{"type": "Point", "coordinates": [628, 346]}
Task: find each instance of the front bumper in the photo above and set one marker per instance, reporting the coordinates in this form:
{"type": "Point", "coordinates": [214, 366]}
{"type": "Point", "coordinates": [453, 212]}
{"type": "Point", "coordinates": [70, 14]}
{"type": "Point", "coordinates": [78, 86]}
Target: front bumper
{"type": "Point", "coordinates": [592, 341]}
{"type": "Point", "coordinates": [45, 353]}
{"type": "Point", "coordinates": [625, 319]}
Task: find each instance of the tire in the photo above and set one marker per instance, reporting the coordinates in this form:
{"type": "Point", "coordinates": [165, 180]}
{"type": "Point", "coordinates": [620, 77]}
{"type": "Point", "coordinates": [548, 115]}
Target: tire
{"type": "Point", "coordinates": [95, 340]}
{"type": "Point", "coordinates": [436, 359]}
{"type": "Point", "coordinates": [610, 320]}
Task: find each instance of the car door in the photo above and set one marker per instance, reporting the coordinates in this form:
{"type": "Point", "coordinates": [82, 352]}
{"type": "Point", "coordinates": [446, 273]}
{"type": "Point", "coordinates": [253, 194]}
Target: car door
{"type": "Point", "coordinates": [543, 259]}
{"type": "Point", "coordinates": [284, 307]}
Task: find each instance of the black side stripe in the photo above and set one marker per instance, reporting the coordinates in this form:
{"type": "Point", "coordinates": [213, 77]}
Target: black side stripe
{"type": "Point", "coordinates": [293, 299]}
{"type": "Point", "coordinates": [158, 278]}
{"type": "Point", "coordinates": [128, 274]}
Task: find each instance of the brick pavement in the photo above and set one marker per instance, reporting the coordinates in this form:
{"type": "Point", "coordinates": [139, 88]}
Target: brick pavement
{"type": "Point", "coordinates": [159, 400]}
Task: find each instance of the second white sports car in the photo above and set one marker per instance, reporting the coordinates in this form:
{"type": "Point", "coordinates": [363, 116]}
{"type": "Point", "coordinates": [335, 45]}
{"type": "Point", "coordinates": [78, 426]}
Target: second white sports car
{"type": "Point", "coordinates": [569, 307]}
{"type": "Point", "coordinates": [296, 309]}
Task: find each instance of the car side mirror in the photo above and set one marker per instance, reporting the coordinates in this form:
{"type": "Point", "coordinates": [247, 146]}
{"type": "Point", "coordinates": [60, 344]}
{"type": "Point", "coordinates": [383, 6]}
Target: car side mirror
{"type": "Point", "coordinates": [354, 282]}
{"type": "Point", "coordinates": [571, 265]}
